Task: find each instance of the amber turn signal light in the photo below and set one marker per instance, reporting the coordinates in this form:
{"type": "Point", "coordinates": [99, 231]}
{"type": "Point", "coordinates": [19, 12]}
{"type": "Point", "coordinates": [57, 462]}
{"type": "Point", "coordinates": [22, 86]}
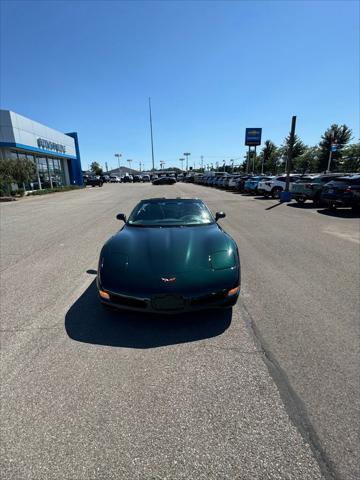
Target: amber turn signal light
{"type": "Point", "coordinates": [104, 295]}
{"type": "Point", "coordinates": [233, 291]}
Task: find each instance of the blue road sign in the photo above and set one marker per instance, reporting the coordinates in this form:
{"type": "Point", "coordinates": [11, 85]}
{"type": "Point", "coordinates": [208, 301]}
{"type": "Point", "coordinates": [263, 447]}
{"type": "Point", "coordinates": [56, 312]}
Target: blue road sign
{"type": "Point", "coordinates": [333, 147]}
{"type": "Point", "coordinates": [253, 137]}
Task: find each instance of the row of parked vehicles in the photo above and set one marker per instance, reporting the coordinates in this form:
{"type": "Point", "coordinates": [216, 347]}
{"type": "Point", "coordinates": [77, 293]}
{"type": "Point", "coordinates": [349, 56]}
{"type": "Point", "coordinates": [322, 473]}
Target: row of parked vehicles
{"type": "Point", "coordinates": [330, 189]}
{"type": "Point", "coordinates": [99, 180]}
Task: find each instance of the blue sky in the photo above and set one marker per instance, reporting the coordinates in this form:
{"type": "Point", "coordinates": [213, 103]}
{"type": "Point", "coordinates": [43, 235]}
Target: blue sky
{"type": "Point", "coordinates": [211, 68]}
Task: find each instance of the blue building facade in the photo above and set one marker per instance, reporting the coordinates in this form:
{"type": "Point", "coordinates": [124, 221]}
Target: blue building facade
{"type": "Point", "coordinates": [56, 155]}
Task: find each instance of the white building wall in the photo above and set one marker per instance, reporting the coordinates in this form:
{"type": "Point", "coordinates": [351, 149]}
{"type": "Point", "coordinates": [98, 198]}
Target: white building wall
{"type": "Point", "coordinates": [15, 128]}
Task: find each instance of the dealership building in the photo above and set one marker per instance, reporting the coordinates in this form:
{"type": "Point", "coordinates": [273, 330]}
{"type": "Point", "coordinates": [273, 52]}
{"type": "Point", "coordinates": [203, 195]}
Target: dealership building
{"type": "Point", "coordinates": [56, 155]}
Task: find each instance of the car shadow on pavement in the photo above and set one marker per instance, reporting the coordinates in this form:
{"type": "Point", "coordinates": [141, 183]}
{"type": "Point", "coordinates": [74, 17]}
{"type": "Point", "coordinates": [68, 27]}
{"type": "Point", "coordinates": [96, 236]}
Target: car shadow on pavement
{"type": "Point", "coordinates": [303, 206]}
{"type": "Point", "coordinates": [89, 322]}
{"type": "Point", "coordinates": [340, 213]}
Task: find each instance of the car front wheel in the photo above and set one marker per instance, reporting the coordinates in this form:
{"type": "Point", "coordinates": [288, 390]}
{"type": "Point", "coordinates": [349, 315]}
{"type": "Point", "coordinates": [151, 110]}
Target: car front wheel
{"type": "Point", "coordinates": [275, 193]}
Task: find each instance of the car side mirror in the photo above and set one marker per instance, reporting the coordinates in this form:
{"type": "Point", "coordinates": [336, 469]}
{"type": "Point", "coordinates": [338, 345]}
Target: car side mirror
{"type": "Point", "coordinates": [219, 215]}
{"type": "Point", "coordinates": [121, 216]}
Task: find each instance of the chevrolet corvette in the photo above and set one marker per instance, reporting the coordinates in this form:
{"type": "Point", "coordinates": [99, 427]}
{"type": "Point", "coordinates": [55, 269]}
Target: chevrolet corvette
{"type": "Point", "coordinates": [170, 256]}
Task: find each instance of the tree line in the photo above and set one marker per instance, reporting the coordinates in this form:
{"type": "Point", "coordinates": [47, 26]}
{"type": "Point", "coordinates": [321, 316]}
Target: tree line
{"type": "Point", "coordinates": [307, 159]}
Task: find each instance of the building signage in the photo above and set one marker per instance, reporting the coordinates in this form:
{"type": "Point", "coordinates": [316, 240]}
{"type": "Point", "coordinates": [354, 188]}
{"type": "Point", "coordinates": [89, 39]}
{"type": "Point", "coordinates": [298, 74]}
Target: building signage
{"type": "Point", "coordinates": [46, 144]}
{"type": "Point", "coordinates": [253, 137]}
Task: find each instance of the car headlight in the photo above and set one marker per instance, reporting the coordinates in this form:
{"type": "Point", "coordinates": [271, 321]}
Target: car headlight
{"type": "Point", "coordinates": [222, 259]}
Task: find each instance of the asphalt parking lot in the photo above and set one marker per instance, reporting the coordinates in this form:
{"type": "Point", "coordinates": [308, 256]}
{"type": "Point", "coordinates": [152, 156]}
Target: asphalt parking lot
{"type": "Point", "coordinates": [269, 390]}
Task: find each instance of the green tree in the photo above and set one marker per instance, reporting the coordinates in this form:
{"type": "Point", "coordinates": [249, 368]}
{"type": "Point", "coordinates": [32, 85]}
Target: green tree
{"type": "Point", "coordinates": [23, 171]}
{"type": "Point", "coordinates": [299, 147]}
{"type": "Point", "coordinates": [15, 171]}
{"type": "Point", "coordinates": [340, 135]}
{"type": "Point", "coordinates": [6, 178]}
{"type": "Point", "coordinates": [307, 161]}
{"type": "Point", "coordinates": [350, 161]}
{"type": "Point", "coordinates": [270, 156]}
{"type": "Point", "coordinates": [96, 169]}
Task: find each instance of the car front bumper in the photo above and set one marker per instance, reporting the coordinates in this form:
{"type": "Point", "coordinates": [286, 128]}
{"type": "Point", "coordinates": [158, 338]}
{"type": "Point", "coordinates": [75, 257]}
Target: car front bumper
{"type": "Point", "coordinates": [169, 304]}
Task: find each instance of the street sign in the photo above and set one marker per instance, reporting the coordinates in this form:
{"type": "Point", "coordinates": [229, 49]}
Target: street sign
{"type": "Point", "coordinates": [253, 137]}
{"type": "Point", "coordinates": [333, 147]}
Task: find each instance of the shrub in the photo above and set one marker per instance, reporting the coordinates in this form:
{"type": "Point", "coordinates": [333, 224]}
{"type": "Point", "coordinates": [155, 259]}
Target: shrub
{"type": "Point", "coordinates": [44, 191]}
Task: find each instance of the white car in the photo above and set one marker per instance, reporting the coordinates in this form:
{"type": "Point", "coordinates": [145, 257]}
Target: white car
{"type": "Point", "coordinates": [276, 185]}
{"type": "Point", "coordinates": [233, 181]}
{"type": "Point", "coordinates": [114, 179]}
{"type": "Point", "coordinates": [264, 186]}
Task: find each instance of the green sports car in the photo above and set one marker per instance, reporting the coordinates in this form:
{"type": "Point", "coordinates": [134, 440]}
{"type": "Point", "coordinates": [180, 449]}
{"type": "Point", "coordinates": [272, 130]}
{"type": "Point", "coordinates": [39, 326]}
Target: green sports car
{"type": "Point", "coordinates": [170, 256]}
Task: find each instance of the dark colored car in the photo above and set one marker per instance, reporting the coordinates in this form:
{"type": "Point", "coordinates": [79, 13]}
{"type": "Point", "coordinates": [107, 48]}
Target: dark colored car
{"type": "Point", "coordinates": [105, 178]}
{"type": "Point", "coordinates": [310, 187]}
{"type": "Point", "coordinates": [170, 256]}
{"type": "Point", "coordinates": [136, 178]}
{"type": "Point", "coordinates": [342, 192]}
{"type": "Point", "coordinates": [94, 181]}
{"type": "Point", "coordinates": [164, 181]}
{"type": "Point", "coordinates": [127, 179]}
{"type": "Point", "coordinates": [240, 184]}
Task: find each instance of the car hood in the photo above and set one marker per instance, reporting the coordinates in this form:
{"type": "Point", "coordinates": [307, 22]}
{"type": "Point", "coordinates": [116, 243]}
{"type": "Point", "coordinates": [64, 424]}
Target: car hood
{"type": "Point", "coordinates": [138, 259]}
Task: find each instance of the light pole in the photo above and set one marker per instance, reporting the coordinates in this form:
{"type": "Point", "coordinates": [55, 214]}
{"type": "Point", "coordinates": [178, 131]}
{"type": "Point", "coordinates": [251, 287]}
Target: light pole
{"type": "Point", "coordinates": [162, 163]}
{"type": "Point", "coordinates": [118, 155]}
{"type": "Point", "coordinates": [224, 165]}
{"type": "Point", "coordinates": [232, 165]}
{"type": "Point", "coordinates": [187, 159]}
{"type": "Point", "coordinates": [202, 162]}
{"type": "Point", "coordinates": [151, 133]}
{"type": "Point", "coordinates": [182, 160]}
{"type": "Point", "coordinates": [140, 165]}
{"type": "Point", "coordinates": [129, 160]}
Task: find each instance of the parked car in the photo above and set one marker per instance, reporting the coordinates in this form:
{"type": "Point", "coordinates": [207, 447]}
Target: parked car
{"type": "Point", "coordinates": [137, 178]}
{"type": "Point", "coordinates": [276, 185]}
{"type": "Point", "coordinates": [145, 178]}
{"type": "Point", "coordinates": [233, 181]}
{"type": "Point", "coordinates": [240, 183]}
{"type": "Point", "coordinates": [264, 185]}
{"type": "Point", "coordinates": [342, 192]}
{"type": "Point", "coordinates": [128, 179]}
{"type": "Point", "coordinates": [310, 187]}
{"type": "Point", "coordinates": [94, 181]}
{"type": "Point", "coordinates": [251, 184]}
{"type": "Point", "coordinates": [197, 267]}
{"type": "Point", "coordinates": [164, 181]}
{"type": "Point", "coordinates": [218, 181]}
{"type": "Point", "coordinates": [225, 182]}
{"type": "Point", "coordinates": [105, 178]}
{"type": "Point", "coordinates": [114, 179]}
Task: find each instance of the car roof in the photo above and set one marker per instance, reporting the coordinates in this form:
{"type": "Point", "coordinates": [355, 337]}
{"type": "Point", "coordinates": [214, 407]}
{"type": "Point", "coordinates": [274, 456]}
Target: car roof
{"type": "Point", "coordinates": [348, 177]}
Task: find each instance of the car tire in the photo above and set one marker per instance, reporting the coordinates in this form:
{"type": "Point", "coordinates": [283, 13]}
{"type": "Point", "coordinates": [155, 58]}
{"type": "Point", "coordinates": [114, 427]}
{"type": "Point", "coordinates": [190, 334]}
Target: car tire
{"type": "Point", "coordinates": [301, 200]}
{"type": "Point", "coordinates": [275, 192]}
{"type": "Point", "coordinates": [332, 206]}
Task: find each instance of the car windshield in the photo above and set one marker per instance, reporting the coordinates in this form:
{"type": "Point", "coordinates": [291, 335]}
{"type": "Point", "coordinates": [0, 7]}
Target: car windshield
{"type": "Point", "coordinates": [170, 213]}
